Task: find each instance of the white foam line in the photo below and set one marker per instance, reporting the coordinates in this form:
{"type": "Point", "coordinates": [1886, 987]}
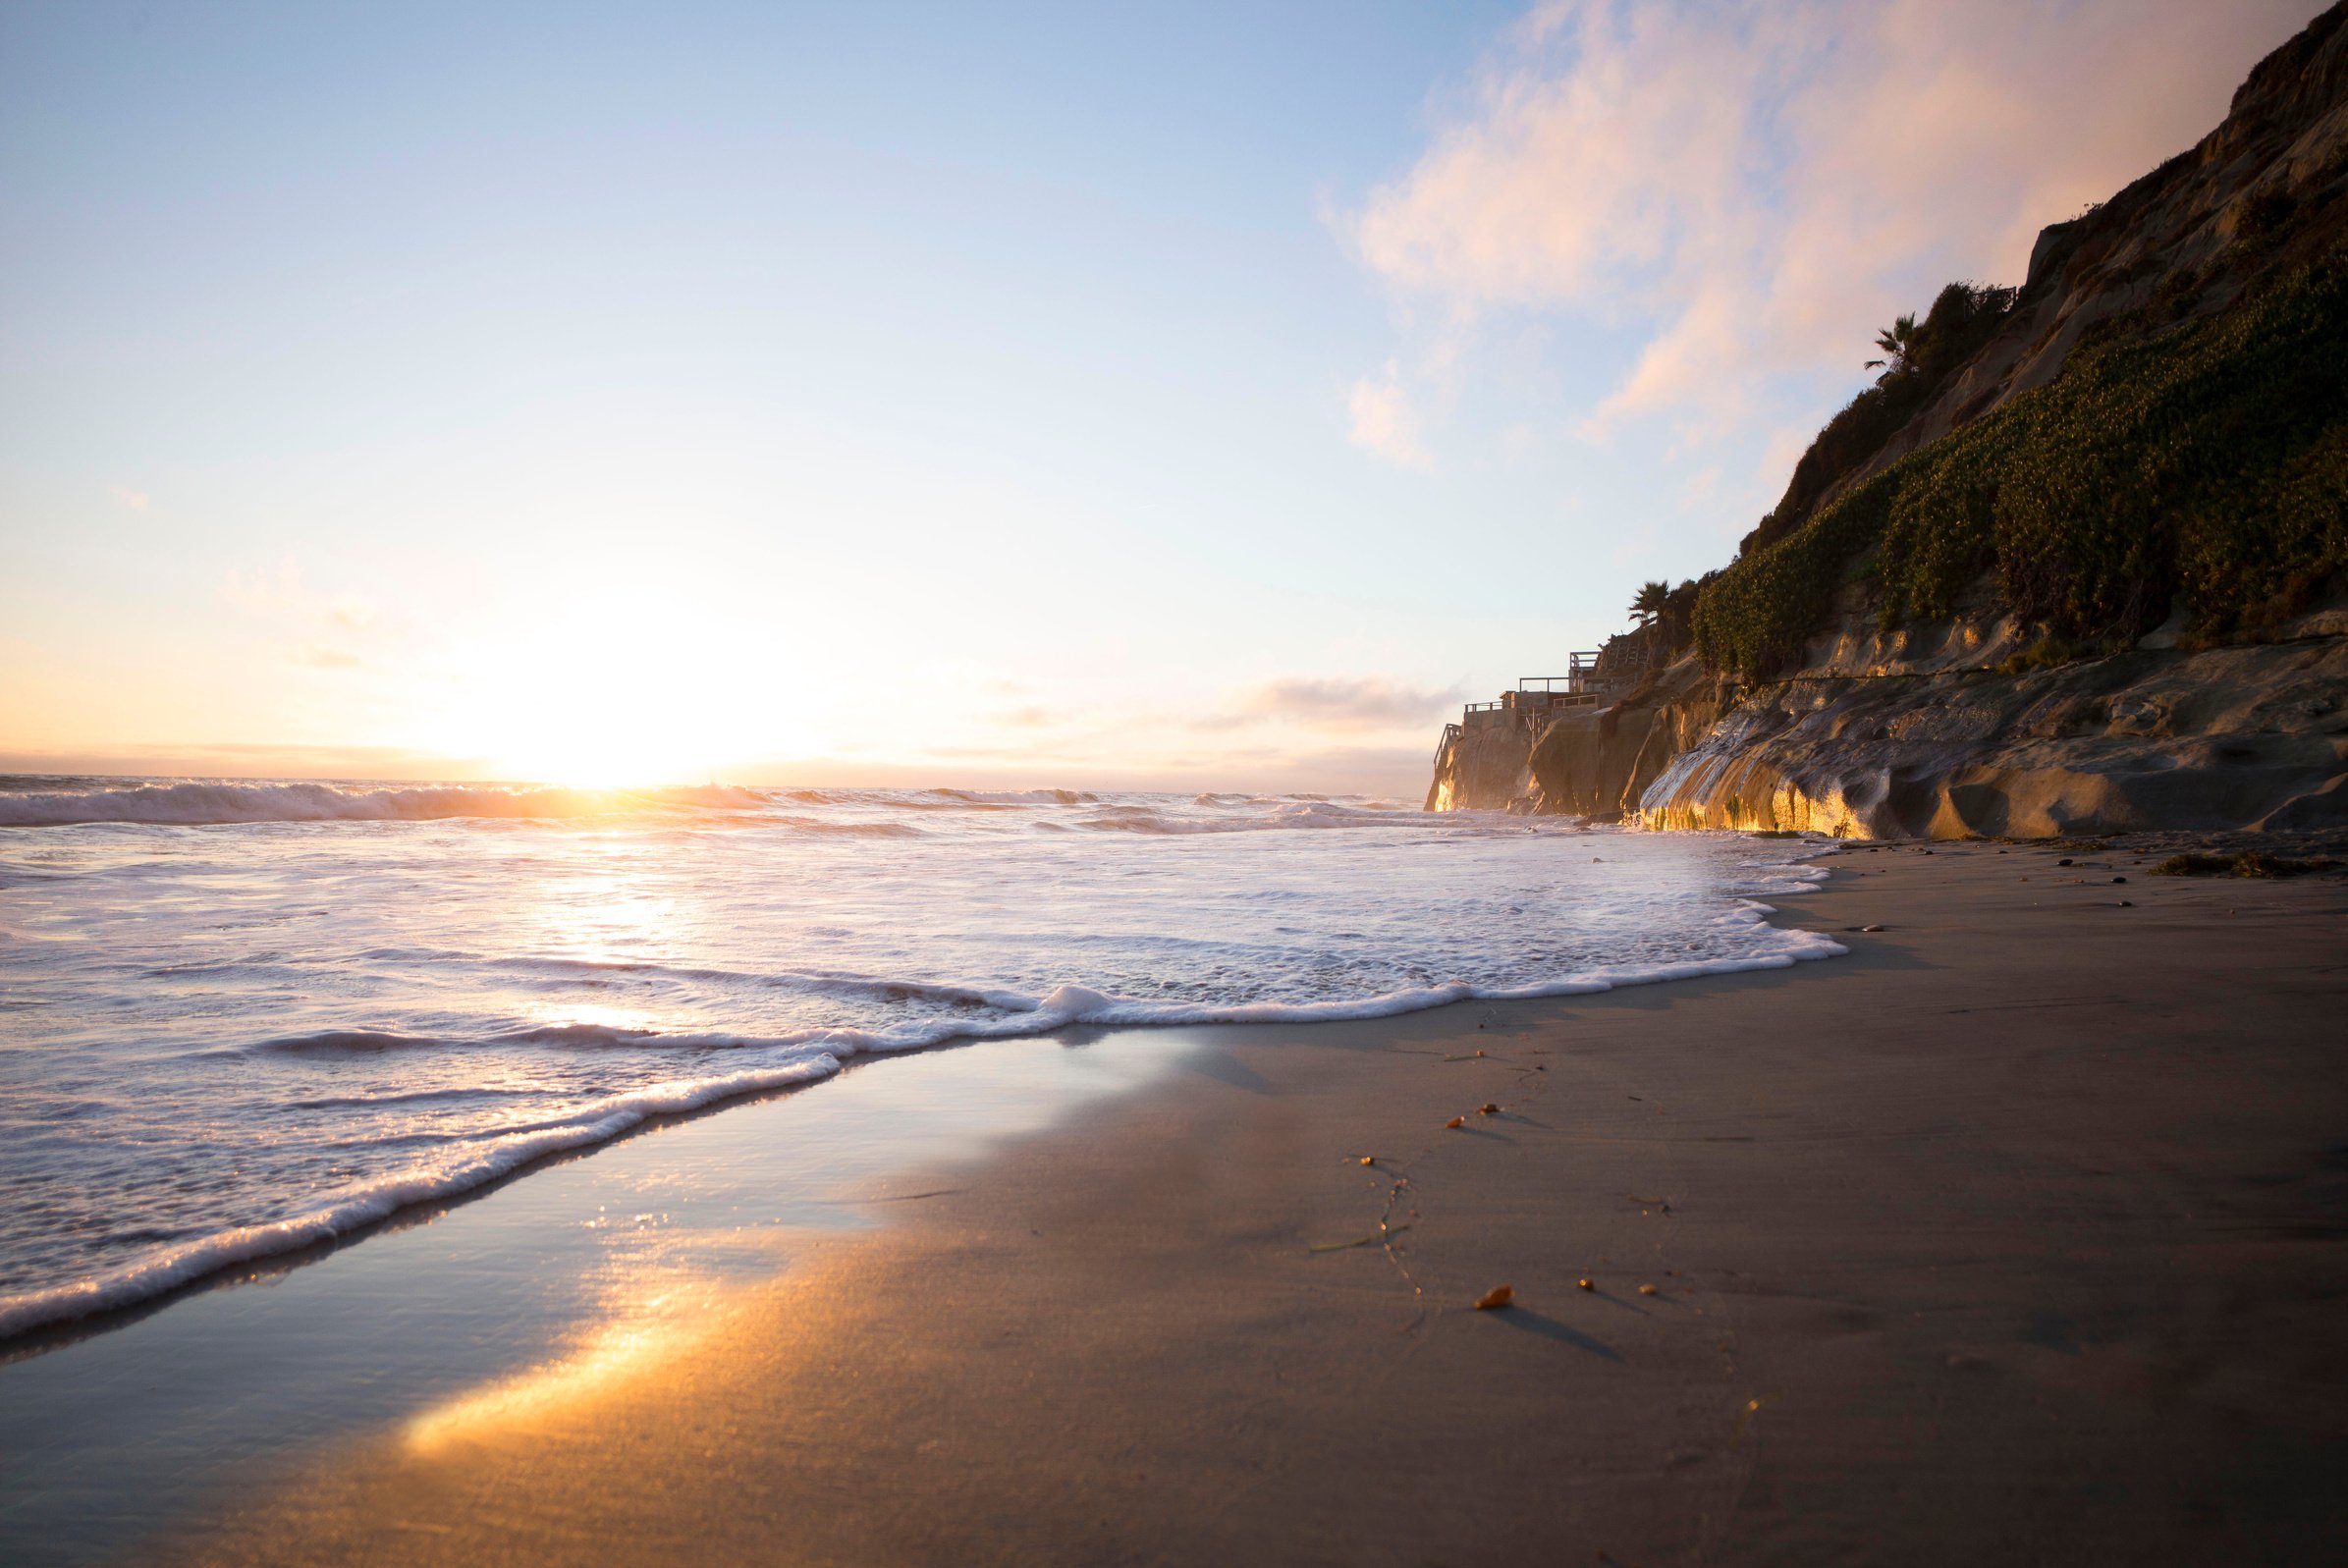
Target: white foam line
{"type": "Point", "coordinates": [190, 1261]}
{"type": "Point", "coordinates": [607, 1119]}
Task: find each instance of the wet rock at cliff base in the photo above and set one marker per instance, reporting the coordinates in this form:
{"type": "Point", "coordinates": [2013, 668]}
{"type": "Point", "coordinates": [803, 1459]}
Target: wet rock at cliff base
{"type": "Point", "coordinates": [1944, 777]}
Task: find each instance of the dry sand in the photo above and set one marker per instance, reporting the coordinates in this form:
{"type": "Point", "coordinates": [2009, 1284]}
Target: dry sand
{"type": "Point", "coordinates": [2021, 1234]}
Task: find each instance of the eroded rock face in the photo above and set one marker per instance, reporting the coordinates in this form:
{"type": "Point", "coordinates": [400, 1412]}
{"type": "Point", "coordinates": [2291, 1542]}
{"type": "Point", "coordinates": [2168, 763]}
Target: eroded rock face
{"type": "Point", "coordinates": [1485, 769]}
{"type": "Point", "coordinates": [2250, 737]}
{"type": "Point", "coordinates": [1879, 739]}
{"type": "Point", "coordinates": [1599, 764]}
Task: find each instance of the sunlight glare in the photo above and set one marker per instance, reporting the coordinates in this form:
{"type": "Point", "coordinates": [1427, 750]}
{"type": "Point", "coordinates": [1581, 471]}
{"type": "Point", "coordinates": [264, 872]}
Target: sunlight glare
{"type": "Point", "coordinates": [608, 690]}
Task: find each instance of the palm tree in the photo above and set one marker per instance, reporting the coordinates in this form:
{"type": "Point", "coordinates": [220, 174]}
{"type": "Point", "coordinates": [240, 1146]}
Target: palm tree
{"type": "Point", "coordinates": [1652, 600]}
{"type": "Point", "coordinates": [1897, 341]}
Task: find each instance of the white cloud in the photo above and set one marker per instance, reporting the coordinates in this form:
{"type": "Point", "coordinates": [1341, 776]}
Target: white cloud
{"type": "Point", "coordinates": [1755, 188]}
{"type": "Point", "coordinates": [330, 630]}
{"type": "Point", "coordinates": [1346, 702]}
{"type": "Point", "coordinates": [1383, 423]}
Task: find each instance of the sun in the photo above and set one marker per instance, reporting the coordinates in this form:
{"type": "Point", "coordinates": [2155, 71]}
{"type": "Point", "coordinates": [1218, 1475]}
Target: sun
{"type": "Point", "coordinates": [593, 688]}
{"type": "Point", "coordinates": [606, 737]}
{"type": "Point", "coordinates": [588, 766]}
{"type": "Point", "coordinates": [611, 731]}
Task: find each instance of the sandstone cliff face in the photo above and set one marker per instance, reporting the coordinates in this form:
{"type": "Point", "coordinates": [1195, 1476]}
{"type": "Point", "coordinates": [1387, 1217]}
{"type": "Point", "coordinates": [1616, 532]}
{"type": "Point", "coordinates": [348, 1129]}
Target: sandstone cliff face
{"type": "Point", "coordinates": [1600, 763]}
{"type": "Point", "coordinates": [1487, 768]}
{"type": "Point", "coordinates": [1921, 734]}
{"type": "Point", "coordinates": [2284, 136]}
{"type": "Point", "coordinates": [2225, 738]}
{"type": "Point", "coordinates": [1945, 728]}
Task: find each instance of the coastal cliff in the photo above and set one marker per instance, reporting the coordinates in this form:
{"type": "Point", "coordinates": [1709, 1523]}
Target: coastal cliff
{"type": "Point", "coordinates": [2250, 737]}
{"type": "Point", "coordinates": [1485, 769]}
{"type": "Point", "coordinates": [2078, 563]}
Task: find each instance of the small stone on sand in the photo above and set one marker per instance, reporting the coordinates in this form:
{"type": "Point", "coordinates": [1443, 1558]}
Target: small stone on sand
{"type": "Point", "coordinates": [1496, 1297]}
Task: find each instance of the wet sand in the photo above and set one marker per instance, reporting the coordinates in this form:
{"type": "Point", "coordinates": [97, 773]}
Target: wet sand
{"type": "Point", "coordinates": [2020, 1234]}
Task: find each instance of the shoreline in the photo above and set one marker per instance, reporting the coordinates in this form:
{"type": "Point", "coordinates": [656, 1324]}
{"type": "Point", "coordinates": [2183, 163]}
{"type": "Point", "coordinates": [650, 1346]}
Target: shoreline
{"type": "Point", "coordinates": [37, 1319]}
{"type": "Point", "coordinates": [2021, 1234]}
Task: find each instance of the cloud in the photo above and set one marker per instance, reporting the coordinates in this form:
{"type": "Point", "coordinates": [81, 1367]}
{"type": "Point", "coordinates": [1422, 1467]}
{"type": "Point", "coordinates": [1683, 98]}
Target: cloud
{"type": "Point", "coordinates": [284, 593]}
{"type": "Point", "coordinates": [1369, 702]}
{"type": "Point", "coordinates": [136, 499]}
{"type": "Point", "coordinates": [269, 592]}
{"type": "Point", "coordinates": [1754, 189]}
{"type": "Point", "coordinates": [1382, 424]}
{"type": "Point", "coordinates": [328, 630]}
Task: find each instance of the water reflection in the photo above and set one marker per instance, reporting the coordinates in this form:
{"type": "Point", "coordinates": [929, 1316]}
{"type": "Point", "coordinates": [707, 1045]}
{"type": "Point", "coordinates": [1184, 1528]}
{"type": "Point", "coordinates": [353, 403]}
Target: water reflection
{"type": "Point", "coordinates": [644, 1320]}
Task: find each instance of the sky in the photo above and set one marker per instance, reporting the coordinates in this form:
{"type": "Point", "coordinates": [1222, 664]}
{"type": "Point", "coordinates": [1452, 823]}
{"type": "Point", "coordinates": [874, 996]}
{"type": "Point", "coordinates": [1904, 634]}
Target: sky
{"type": "Point", "coordinates": [1175, 397]}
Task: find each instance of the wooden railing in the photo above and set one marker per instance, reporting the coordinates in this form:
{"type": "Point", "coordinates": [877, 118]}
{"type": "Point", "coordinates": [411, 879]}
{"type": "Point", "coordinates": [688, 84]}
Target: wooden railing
{"type": "Point", "coordinates": [1531, 704]}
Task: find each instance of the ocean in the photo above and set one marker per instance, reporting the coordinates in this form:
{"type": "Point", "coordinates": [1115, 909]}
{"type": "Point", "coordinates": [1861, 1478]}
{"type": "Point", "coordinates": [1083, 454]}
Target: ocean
{"type": "Point", "coordinates": [238, 1018]}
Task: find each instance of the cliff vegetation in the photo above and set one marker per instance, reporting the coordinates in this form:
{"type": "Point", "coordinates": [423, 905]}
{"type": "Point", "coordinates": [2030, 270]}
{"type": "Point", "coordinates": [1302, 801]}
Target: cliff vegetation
{"type": "Point", "coordinates": [2201, 465]}
{"type": "Point", "coordinates": [2076, 560]}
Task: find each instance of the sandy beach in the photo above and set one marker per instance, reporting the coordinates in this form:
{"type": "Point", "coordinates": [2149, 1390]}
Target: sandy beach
{"type": "Point", "coordinates": [1395, 787]}
{"type": "Point", "coordinates": [2021, 1234]}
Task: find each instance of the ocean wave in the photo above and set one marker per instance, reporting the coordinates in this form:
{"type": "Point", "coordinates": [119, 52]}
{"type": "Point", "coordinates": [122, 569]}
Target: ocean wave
{"type": "Point", "coordinates": [799, 1057]}
{"type": "Point", "coordinates": [471, 1165]}
{"type": "Point", "coordinates": [551, 1037]}
{"type": "Point", "coordinates": [197, 803]}
{"type": "Point", "coordinates": [1019, 797]}
{"type": "Point", "coordinates": [938, 799]}
{"type": "Point", "coordinates": [813, 982]}
{"type": "Point", "coordinates": [201, 802]}
{"type": "Point", "coordinates": [1286, 813]}
{"type": "Point", "coordinates": [851, 830]}
{"type": "Point", "coordinates": [884, 954]}
{"type": "Point", "coordinates": [343, 1042]}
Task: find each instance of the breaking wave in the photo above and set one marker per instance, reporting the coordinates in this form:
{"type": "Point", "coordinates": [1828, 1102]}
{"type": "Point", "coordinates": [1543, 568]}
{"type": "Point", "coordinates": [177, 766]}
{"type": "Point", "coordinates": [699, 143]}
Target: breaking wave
{"type": "Point", "coordinates": [207, 804]}
{"type": "Point", "coordinates": [873, 813]}
{"type": "Point", "coordinates": [468, 1166]}
{"type": "Point", "coordinates": [199, 803]}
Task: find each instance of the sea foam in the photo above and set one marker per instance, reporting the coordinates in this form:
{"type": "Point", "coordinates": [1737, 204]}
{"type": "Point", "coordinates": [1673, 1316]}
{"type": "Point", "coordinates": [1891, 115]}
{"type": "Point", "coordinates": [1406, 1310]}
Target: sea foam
{"type": "Point", "coordinates": [250, 1018]}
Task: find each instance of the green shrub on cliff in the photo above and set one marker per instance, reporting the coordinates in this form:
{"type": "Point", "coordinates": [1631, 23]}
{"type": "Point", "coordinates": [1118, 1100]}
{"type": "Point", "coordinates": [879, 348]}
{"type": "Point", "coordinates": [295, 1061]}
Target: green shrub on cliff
{"type": "Point", "coordinates": [1755, 616]}
{"type": "Point", "coordinates": [1963, 317]}
{"type": "Point", "coordinates": [2207, 461]}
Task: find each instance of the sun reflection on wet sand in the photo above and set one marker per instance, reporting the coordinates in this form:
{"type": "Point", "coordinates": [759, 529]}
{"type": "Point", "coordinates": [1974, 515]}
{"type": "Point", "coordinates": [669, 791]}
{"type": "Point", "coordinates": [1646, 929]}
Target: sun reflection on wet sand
{"type": "Point", "coordinates": [645, 1323]}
